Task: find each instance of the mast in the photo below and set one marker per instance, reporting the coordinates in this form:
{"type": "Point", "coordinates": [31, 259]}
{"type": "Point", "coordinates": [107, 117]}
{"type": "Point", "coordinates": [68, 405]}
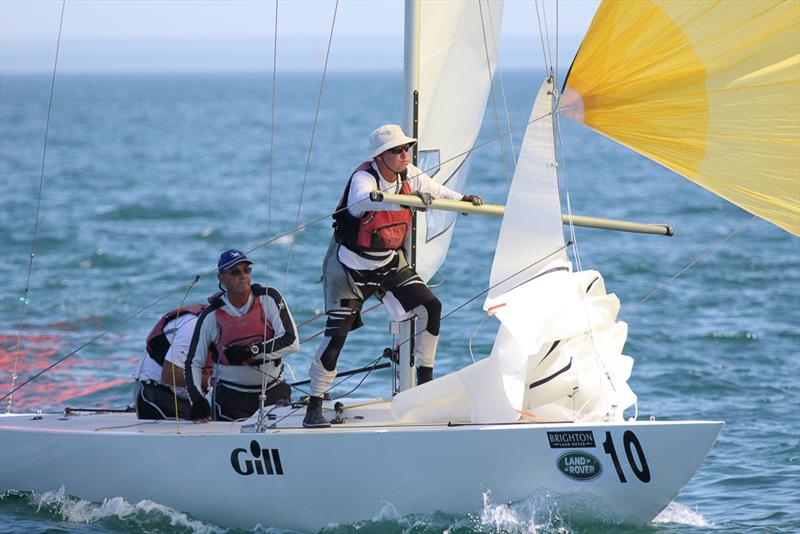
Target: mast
{"type": "Point", "coordinates": [406, 330]}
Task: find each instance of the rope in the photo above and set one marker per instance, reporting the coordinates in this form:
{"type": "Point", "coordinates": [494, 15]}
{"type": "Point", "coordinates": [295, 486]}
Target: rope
{"type": "Point", "coordinates": [311, 142]}
{"type": "Point", "coordinates": [25, 300]}
{"type": "Point", "coordinates": [172, 347]}
{"type": "Point", "coordinates": [691, 264]}
{"type": "Point", "coordinates": [214, 269]}
{"type": "Point", "coordinates": [491, 90]}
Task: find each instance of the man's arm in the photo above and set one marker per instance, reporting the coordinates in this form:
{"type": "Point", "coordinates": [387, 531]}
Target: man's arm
{"type": "Point", "coordinates": [204, 331]}
{"type": "Point", "coordinates": [285, 340]}
{"type": "Point", "coordinates": [358, 200]}
{"type": "Point", "coordinates": [421, 182]}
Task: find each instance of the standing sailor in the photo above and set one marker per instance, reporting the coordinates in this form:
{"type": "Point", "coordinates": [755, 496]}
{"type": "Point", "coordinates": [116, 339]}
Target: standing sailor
{"type": "Point", "coordinates": [248, 329]}
{"type": "Point", "coordinates": [160, 371]}
{"type": "Point", "coordinates": [367, 258]}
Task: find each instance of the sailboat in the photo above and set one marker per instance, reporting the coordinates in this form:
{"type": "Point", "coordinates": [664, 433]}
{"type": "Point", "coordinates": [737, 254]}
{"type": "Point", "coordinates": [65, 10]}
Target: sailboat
{"type": "Point", "coordinates": [545, 412]}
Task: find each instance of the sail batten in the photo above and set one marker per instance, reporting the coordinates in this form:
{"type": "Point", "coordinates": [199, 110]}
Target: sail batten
{"type": "Point", "coordinates": [709, 90]}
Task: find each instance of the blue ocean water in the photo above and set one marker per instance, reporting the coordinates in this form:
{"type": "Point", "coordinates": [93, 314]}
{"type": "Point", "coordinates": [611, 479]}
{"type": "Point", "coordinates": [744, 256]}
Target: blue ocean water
{"type": "Point", "coordinates": [148, 177]}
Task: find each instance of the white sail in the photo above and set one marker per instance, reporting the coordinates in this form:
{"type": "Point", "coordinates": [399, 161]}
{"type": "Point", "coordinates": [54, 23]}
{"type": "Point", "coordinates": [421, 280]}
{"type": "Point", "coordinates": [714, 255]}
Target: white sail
{"type": "Point", "coordinates": [558, 351]}
{"type": "Point", "coordinates": [454, 84]}
{"type": "Point", "coordinates": [531, 237]}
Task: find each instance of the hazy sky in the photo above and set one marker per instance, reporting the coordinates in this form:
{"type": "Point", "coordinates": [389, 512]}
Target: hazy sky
{"type": "Point", "coordinates": [189, 35]}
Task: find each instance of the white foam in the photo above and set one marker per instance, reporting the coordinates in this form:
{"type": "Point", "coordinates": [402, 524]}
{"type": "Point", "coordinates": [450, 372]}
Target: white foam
{"type": "Point", "coordinates": [536, 515]}
{"type": "Point", "coordinates": [387, 513]}
{"type": "Point", "coordinates": [678, 513]}
{"type": "Point", "coordinates": [80, 511]}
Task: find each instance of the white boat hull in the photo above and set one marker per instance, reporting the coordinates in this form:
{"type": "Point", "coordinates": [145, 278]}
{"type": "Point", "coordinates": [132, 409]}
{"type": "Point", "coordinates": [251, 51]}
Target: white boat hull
{"type": "Point", "coordinates": [351, 471]}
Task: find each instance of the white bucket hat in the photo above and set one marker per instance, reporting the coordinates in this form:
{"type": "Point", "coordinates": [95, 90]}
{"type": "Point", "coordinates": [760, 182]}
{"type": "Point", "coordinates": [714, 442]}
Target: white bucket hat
{"type": "Point", "coordinates": [385, 137]}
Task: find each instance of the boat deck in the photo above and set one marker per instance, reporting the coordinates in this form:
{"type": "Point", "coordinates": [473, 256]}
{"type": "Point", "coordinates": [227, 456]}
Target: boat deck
{"type": "Point", "coordinates": [356, 414]}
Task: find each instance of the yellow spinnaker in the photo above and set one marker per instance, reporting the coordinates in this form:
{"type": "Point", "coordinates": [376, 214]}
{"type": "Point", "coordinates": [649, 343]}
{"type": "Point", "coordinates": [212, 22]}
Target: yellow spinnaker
{"type": "Point", "coordinates": [709, 89]}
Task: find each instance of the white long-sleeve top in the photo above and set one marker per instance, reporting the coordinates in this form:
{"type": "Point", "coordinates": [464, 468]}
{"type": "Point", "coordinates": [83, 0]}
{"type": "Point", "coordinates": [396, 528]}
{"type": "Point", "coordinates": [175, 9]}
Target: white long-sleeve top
{"type": "Point", "coordinates": [284, 342]}
{"type": "Point", "coordinates": [362, 184]}
{"type": "Point", "coordinates": [179, 333]}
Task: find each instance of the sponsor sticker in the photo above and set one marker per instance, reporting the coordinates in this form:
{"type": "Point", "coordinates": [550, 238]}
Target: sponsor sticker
{"type": "Point", "coordinates": [579, 465]}
{"type": "Point", "coordinates": [256, 460]}
{"type": "Point", "coordinates": [571, 439]}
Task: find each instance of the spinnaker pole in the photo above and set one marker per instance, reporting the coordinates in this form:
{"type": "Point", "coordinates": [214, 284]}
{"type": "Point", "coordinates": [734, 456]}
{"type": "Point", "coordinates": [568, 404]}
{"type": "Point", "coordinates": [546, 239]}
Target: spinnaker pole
{"type": "Point", "coordinates": [496, 210]}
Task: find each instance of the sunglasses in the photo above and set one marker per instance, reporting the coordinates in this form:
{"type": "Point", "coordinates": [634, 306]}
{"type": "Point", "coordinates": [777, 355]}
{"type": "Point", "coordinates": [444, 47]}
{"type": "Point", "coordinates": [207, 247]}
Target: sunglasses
{"type": "Point", "coordinates": [399, 149]}
{"type": "Point", "coordinates": [238, 272]}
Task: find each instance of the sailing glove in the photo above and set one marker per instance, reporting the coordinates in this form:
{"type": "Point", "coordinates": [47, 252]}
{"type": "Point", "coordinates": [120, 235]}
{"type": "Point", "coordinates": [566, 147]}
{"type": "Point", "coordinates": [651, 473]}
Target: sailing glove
{"type": "Point", "coordinates": [426, 199]}
{"type": "Point", "coordinates": [475, 199]}
{"type": "Point", "coordinates": [238, 354]}
{"type": "Point", "coordinates": [201, 411]}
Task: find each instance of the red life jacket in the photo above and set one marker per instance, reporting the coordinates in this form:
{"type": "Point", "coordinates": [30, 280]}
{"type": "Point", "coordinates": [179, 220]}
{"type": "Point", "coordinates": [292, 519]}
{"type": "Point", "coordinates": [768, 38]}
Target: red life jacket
{"type": "Point", "coordinates": [375, 231]}
{"type": "Point", "coordinates": [158, 342]}
{"type": "Point", "coordinates": [242, 340]}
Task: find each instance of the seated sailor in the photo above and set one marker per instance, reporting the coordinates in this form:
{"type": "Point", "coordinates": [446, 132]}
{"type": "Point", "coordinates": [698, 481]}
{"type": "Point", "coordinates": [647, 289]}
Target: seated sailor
{"type": "Point", "coordinates": [159, 374]}
{"type": "Point", "coordinates": [248, 329]}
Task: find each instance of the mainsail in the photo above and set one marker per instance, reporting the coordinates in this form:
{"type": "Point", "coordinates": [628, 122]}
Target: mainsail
{"type": "Point", "coordinates": [454, 83]}
{"type": "Point", "coordinates": [707, 89]}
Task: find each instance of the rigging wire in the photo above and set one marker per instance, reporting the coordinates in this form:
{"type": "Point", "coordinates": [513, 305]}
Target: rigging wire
{"type": "Point", "coordinates": [503, 91]}
{"type": "Point", "coordinates": [249, 251]}
{"type": "Point", "coordinates": [454, 310]}
{"type": "Point", "coordinates": [562, 167]}
{"type": "Point", "coordinates": [556, 80]}
{"type": "Point", "coordinates": [311, 142]}
{"type": "Point", "coordinates": [542, 19]}
{"type": "Point", "coordinates": [95, 338]}
{"type": "Point", "coordinates": [491, 90]}
{"type": "Point", "coordinates": [713, 248]}
{"type": "Point", "coordinates": [272, 132]}
{"type": "Point", "coordinates": [25, 300]}
{"type": "Point", "coordinates": [264, 376]}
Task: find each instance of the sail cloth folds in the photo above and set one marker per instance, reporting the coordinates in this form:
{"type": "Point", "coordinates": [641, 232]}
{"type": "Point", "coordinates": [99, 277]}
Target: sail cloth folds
{"type": "Point", "coordinates": [710, 90]}
{"type": "Point", "coordinates": [454, 84]}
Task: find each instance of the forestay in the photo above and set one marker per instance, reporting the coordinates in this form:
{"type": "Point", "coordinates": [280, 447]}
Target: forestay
{"type": "Point", "coordinates": [558, 351]}
{"type": "Point", "coordinates": [454, 84]}
{"type": "Point", "coordinates": [707, 89]}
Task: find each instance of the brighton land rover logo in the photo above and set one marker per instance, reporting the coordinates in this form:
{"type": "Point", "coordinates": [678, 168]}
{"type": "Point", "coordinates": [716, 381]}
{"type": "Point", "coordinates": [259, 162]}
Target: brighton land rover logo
{"type": "Point", "coordinates": [579, 465]}
{"type": "Point", "coordinates": [256, 461]}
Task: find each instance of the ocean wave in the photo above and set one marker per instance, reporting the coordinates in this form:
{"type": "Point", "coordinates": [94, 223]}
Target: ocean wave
{"type": "Point", "coordinates": [145, 515]}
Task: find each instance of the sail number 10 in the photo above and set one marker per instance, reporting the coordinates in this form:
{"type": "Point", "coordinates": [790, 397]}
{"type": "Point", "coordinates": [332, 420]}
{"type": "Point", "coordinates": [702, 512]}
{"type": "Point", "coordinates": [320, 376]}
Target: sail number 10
{"type": "Point", "coordinates": [630, 443]}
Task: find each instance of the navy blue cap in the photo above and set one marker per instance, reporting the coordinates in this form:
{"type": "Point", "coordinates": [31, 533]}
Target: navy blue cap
{"type": "Point", "coordinates": [229, 258]}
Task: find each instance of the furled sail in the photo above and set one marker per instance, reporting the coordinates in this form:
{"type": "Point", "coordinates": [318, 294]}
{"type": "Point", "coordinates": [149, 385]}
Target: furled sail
{"type": "Point", "coordinates": [454, 84]}
{"type": "Point", "coordinates": [710, 90]}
